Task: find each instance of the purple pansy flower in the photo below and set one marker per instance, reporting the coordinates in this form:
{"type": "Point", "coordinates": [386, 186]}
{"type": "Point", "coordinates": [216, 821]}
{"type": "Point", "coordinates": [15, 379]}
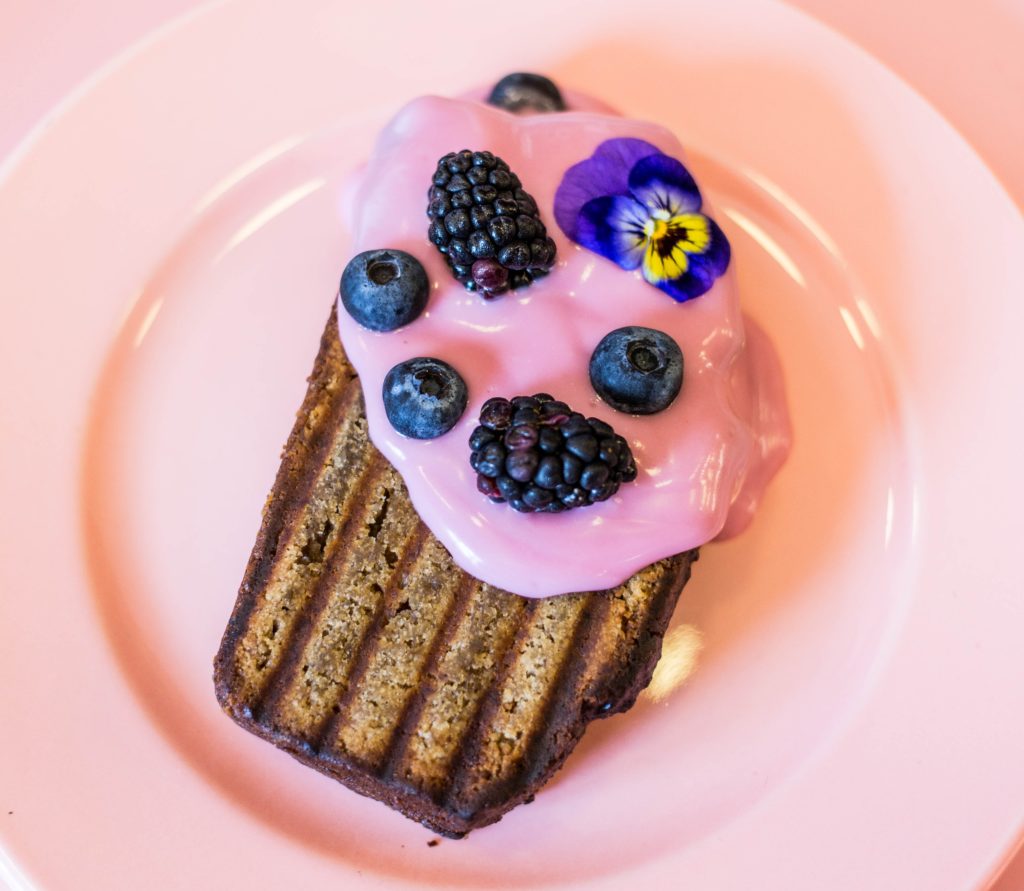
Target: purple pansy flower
{"type": "Point", "coordinates": [635, 205]}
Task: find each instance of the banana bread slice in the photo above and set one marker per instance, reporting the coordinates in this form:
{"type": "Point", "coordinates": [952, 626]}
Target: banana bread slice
{"type": "Point", "coordinates": [357, 644]}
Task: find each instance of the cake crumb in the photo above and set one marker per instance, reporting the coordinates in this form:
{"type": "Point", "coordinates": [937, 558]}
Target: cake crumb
{"type": "Point", "coordinates": [433, 843]}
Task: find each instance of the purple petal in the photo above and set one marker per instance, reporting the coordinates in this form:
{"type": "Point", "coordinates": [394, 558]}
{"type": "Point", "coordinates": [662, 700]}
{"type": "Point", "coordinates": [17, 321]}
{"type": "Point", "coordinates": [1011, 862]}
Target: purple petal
{"type": "Point", "coordinates": [662, 183]}
{"type": "Point", "coordinates": [613, 226]}
{"type": "Point", "coordinates": [703, 269]}
{"type": "Point", "coordinates": [606, 172]}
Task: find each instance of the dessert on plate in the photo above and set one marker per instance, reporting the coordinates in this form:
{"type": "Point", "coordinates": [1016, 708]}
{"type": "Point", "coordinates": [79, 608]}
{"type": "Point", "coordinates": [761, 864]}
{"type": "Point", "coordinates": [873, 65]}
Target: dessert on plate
{"type": "Point", "coordinates": [535, 398]}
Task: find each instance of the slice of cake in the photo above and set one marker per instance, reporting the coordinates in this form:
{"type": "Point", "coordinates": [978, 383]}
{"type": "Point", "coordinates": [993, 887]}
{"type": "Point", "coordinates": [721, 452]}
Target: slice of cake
{"type": "Point", "coordinates": [536, 382]}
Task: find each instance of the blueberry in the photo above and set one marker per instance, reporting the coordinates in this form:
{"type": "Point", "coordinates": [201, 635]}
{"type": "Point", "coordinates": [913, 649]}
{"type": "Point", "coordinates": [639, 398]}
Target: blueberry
{"type": "Point", "coordinates": [637, 370]}
{"type": "Point", "coordinates": [424, 397]}
{"type": "Point", "coordinates": [385, 289]}
{"type": "Point", "coordinates": [523, 91]}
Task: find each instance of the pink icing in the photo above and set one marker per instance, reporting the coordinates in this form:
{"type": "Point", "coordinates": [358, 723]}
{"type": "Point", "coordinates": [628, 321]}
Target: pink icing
{"type": "Point", "coordinates": [703, 462]}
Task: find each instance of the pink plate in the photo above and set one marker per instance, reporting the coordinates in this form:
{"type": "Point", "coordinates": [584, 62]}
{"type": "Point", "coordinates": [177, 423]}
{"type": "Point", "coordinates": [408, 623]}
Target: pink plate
{"type": "Point", "coordinates": [169, 249]}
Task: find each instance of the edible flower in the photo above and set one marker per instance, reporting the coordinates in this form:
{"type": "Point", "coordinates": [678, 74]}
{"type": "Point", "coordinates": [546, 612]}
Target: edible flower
{"type": "Point", "coordinates": [640, 208]}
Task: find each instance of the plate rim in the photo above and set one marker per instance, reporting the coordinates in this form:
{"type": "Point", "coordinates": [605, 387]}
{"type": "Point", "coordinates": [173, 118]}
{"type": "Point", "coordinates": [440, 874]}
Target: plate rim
{"type": "Point", "coordinates": [25, 148]}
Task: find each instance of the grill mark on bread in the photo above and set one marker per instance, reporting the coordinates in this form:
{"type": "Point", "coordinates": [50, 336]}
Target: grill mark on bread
{"type": "Point", "coordinates": [336, 396]}
{"type": "Point", "coordinates": [394, 669]}
{"type": "Point", "coordinates": [305, 618]}
{"type": "Point", "coordinates": [466, 752]}
{"type": "Point", "coordinates": [413, 710]}
{"type": "Point", "coordinates": [618, 685]}
{"type": "Point", "coordinates": [586, 638]}
{"type": "Point", "coordinates": [352, 599]}
{"type": "Point", "coordinates": [282, 584]}
{"type": "Point", "coordinates": [468, 670]}
{"type": "Point", "coordinates": [514, 716]}
{"type": "Point", "coordinates": [323, 742]}
{"type": "Point", "coordinates": [568, 703]}
{"type": "Point", "coordinates": [581, 692]}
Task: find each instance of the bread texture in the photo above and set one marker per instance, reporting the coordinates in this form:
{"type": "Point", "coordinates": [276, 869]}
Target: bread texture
{"type": "Point", "coordinates": [357, 644]}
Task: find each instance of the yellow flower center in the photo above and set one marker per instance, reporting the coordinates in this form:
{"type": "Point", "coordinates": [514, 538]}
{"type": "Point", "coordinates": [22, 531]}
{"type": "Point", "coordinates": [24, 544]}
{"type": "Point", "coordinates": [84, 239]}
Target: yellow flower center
{"type": "Point", "coordinates": [670, 241]}
{"type": "Point", "coordinates": [656, 229]}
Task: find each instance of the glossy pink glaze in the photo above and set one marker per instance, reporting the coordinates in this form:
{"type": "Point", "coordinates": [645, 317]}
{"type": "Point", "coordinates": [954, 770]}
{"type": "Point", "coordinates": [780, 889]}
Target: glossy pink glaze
{"type": "Point", "coordinates": [704, 461]}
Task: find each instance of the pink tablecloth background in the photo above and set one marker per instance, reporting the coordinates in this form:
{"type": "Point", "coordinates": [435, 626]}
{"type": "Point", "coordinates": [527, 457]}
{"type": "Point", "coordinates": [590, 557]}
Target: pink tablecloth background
{"type": "Point", "coordinates": [964, 58]}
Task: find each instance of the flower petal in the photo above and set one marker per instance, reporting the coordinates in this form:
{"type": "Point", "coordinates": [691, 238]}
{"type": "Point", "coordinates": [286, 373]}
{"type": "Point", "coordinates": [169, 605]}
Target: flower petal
{"type": "Point", "coordinates": [701, 268]}
{"type": "Point", "coordinates": [606, 172]}
{"type": "Point", "coordinates": [689, 232]}
{"type": "Point", "coordinates": [664, 186]}
{"type": "Point", "coordinates": [613, 226]}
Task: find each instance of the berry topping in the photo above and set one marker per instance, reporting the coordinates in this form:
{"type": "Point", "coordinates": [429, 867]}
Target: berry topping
{"type": "Point", "coordinates": [527, 92]}
{"type": "Point", "coordinates": [539, 455]}
{"type": "Point", "coordinates": [490, 276]}
{"type": "Point", "coordinates": [424, 397]}
{"type": "Point", "coordinates": [637, 370]}
{"type": "Point", "coordinates": [385, 289]}
{"type": "Point", "coordinates": [486, 225]}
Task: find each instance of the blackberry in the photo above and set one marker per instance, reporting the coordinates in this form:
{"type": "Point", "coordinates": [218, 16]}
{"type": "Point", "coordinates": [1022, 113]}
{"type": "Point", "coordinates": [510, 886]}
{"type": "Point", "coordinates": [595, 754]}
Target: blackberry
{"type": "Point", "coordinates": [539, 455]}
{"type": "Point", "coordinates": [486, 225]}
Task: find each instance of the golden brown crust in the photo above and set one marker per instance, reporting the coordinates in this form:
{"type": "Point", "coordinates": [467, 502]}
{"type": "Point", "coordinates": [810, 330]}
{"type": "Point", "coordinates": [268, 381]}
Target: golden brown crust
{"type": "Point", "coordinates": [357, 645]}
